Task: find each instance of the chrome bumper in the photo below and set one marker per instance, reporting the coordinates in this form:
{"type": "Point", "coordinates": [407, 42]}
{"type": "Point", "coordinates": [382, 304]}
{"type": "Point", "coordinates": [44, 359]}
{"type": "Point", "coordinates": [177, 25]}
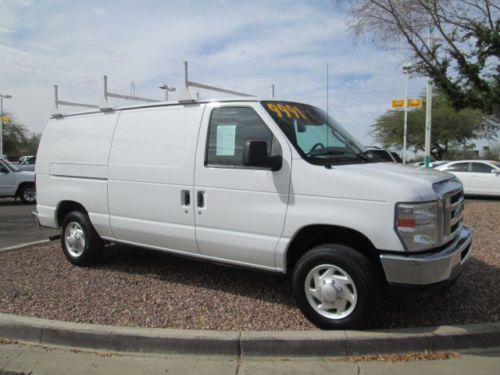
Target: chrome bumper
{"type": "Point", "coordinates": [430, 268]}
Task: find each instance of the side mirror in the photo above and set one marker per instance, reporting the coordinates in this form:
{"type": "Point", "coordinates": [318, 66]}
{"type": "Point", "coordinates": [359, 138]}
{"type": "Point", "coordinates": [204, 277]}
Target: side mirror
{"type": "Point", "coordinates": [301, 128]}
{"type": "Point", "coordinates": [4, 170]}
{"type": "Point", "coordinates": [255, 155]}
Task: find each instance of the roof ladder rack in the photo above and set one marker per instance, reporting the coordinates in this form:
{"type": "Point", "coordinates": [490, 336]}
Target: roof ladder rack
{"type": "Point", "coordinates": [58, 102]}
{"type": "Point", "coordinates": [104, 106]}
{"type": "Point", "coordinates": [185, 95]}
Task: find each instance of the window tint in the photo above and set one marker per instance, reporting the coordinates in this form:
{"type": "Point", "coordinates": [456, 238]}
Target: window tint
{"type": "Point", "coordinates": [481, 168]}
{"type": "Point", "coordinates": [229, 130]}
{"type": "Point", "coordinates": [459, 167]}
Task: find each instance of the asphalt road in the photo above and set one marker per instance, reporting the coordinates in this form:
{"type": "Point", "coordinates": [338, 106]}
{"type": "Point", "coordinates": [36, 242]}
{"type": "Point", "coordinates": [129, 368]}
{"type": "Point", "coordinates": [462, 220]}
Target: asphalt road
{"type": "Point", "coordinates": [16, 224]}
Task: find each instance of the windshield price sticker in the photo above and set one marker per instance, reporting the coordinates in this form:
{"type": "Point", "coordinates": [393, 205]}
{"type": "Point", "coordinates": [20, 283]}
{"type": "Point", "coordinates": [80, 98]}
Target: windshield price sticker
{"type": "Point", "coordinates": [287, 109]}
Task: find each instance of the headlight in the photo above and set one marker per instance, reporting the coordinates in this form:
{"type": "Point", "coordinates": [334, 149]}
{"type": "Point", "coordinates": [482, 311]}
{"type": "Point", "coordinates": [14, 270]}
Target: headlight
{"type": "Point", "coordinates": [417, 225]}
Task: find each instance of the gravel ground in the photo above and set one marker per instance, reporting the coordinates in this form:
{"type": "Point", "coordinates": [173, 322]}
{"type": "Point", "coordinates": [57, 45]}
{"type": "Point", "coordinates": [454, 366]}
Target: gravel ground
{"type": "Point", "coordinates": [134, 287]}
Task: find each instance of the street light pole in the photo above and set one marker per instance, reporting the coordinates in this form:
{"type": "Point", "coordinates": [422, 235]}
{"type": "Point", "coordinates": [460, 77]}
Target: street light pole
{"type": "Point", "coordinates": [1, 120]}
{"type": "Point", "coordinates": [407, 71]}
{"type": "Point", "coordinates": [428, 107]}
{"type": "Point", "coordinates": [167, 88]}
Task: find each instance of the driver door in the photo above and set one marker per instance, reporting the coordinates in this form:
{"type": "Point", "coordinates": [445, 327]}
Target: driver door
{"type": "Point", "coordinates": [239, 211]}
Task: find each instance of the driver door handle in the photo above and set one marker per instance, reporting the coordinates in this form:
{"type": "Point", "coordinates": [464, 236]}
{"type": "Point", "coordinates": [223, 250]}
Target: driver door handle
{"type": "Point", "coordinates": [200, 199]}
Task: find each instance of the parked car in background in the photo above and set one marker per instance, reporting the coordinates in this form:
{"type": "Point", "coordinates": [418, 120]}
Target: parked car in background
{"type": "Point", "coordinates": [479, 177]}
{"type": "Point", "coordinates": [396, 157]}
{"type": "Point", "coordinates": [432, 164]}
{"type": "Point", "coordinates": [383, 154]}
{"type": "Point", "coordinates": [16, 183]}
{"type": "Point", "coordinates": [25, 158]}
{"type": "Point", "coordinates": [27, 163]}
{"type": "Point", "coordinates": [437, 163]}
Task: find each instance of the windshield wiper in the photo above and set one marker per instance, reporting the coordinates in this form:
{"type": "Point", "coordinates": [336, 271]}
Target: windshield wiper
{"type": "Point", "coordinates": [358, 155]}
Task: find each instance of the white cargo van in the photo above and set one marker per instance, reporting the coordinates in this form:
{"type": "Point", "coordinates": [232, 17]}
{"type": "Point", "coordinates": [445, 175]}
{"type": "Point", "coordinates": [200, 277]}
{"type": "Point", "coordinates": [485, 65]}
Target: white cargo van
{"type": "Point", "coordinates": [271, 185]}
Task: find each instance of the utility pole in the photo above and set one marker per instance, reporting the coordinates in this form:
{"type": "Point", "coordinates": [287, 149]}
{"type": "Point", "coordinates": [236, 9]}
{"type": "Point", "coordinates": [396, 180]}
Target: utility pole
{"type": "Point", "coordinates": [428, 107]}
{"type": "Point", "coordinates": [2, 97]}
{"type": "Point", "coordinates": [407, 71]}
{"type": "Point", "coordinates": [167, 88]}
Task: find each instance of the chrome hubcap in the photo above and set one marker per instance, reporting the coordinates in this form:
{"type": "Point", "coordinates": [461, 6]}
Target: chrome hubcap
{"type": "Point", "coordinates": [331, 291]}
{"type": "Point", "coordinates": [74, 239]}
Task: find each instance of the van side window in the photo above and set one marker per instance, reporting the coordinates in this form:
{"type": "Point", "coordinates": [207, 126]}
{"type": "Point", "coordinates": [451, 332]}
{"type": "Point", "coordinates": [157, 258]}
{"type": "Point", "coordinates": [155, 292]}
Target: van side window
{"type": "Point", "coordinates": [229, 130]}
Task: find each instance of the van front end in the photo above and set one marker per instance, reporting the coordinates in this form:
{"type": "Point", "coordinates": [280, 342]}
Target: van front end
{"type": "Point", "coordinates": [437, 244]}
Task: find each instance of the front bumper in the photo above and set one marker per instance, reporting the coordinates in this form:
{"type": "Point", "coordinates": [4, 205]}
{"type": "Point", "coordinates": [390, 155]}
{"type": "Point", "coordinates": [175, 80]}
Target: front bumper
{"type": "Point", "coordinates": [430, 268]}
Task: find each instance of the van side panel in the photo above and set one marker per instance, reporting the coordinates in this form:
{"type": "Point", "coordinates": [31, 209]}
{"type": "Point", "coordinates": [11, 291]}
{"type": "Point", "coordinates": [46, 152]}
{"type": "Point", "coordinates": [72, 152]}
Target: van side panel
{"type": "Point", "coordinates": [72, 165]}
{"type": "Point", "coordinates": [151, 169]}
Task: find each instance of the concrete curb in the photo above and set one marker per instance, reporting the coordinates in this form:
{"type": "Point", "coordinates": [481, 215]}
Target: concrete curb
{"type": "Point", "coordinates": [27, 244]}
{"type": "Point", "coordinates": [303, 343]}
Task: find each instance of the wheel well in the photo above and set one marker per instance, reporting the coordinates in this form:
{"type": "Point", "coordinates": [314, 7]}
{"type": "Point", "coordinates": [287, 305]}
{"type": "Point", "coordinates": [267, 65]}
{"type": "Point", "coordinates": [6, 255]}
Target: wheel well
{"type": "Point", "coordinates": [65, 207]}
{"type": "Point", "coordinates": [22, 185]}
{"type": "Point", "coordinates": [314, 235]}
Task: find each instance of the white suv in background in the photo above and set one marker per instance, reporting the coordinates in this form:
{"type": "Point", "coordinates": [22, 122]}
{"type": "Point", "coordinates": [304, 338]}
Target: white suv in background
{"type": "Point", "coordinates": [16, 183]}
{"type": "Point", "coordinates": [479, 177]}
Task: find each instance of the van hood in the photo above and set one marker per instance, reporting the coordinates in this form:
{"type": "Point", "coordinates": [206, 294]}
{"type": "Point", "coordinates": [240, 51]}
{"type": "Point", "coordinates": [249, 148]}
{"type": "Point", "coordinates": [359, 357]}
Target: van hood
{"type": "Point", "coordinates": [400, 177]}
{"type": "Point", "coordinates": [387, 182]}
{"type": "Point", "coordinates": [404, 172]}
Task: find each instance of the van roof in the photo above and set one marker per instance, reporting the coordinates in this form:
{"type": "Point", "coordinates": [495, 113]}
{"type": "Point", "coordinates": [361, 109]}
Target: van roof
{"type": "Point", "coordinates": [170, 103]}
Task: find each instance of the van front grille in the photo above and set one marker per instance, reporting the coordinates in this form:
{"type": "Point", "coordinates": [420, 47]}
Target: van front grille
{"type": "Point", "coordinates": [452, 208]}
{"type": "Point", "coordinates": [453, 214]}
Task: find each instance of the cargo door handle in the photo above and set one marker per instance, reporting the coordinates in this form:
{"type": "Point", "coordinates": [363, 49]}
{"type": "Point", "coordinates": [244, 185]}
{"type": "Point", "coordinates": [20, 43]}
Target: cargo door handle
{"type": "Point", "coordinates": [186, 198]}
{"type": "Point", "coordinates": [200, 199]}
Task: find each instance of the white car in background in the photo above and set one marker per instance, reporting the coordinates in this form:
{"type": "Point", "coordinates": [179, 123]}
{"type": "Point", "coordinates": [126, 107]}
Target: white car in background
{"type": "Point", "coordinates": [479, 177]}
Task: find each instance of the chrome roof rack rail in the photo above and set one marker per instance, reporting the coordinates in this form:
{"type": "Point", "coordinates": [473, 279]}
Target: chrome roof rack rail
{"type": "Point", "coordinates": [104, 106]}
{"type": "Point", "coordinates": [185, 95]}
{"type": "Point", "coordinates": [58, 102]}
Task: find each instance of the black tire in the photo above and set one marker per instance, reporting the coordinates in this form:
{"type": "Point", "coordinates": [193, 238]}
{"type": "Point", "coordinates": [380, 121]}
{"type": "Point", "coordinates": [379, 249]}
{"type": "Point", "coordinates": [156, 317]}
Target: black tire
{"type": "Point", "coordinates": [361, 273]}
{"type": "Point", "coordinates": [27, 193]}
{"type": "Point", "coordinates": [93, 245]}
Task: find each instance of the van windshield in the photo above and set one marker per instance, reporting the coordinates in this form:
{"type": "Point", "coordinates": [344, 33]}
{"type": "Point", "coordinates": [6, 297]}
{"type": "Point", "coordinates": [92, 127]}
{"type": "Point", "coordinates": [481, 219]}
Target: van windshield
{"type": "Point", "coordinates": [319, 140]}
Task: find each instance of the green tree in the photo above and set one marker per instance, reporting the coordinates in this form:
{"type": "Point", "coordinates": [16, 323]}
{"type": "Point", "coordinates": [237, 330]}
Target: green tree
{"type": "Point", "coordinates": [450, 127]}
{"type": "Point", "coordinates": [464, 58]}
{"type": "Point", "coordinates": [17, 140]}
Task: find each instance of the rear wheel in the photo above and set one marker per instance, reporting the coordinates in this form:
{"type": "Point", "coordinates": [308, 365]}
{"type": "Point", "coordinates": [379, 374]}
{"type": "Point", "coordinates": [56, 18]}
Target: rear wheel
{"type": "Point", "coordinates": [335, 287]}
{"type": "Point", "coordinates": [81, 244]}
{"type": "Point", "coordinates": [27, 193]}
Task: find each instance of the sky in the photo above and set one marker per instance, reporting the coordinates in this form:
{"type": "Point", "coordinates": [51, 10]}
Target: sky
{"type": "Point", "coordinates": [240, 45]}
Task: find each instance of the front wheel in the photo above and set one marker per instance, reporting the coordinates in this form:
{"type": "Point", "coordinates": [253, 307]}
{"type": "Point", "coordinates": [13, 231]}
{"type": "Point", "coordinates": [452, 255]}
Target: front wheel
{"type": "Point", "coordinates": [81, 244]}
{"type": "Point", "coordinates": [335, 287]}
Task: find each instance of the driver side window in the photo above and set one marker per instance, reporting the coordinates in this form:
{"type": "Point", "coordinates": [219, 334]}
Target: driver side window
{"type": "Point", "coordinates": [229, 130]}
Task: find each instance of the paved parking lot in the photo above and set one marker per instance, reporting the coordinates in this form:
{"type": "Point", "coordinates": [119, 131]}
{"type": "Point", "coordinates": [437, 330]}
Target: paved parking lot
{"type": "Point", "coordinates": [16, 225]}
